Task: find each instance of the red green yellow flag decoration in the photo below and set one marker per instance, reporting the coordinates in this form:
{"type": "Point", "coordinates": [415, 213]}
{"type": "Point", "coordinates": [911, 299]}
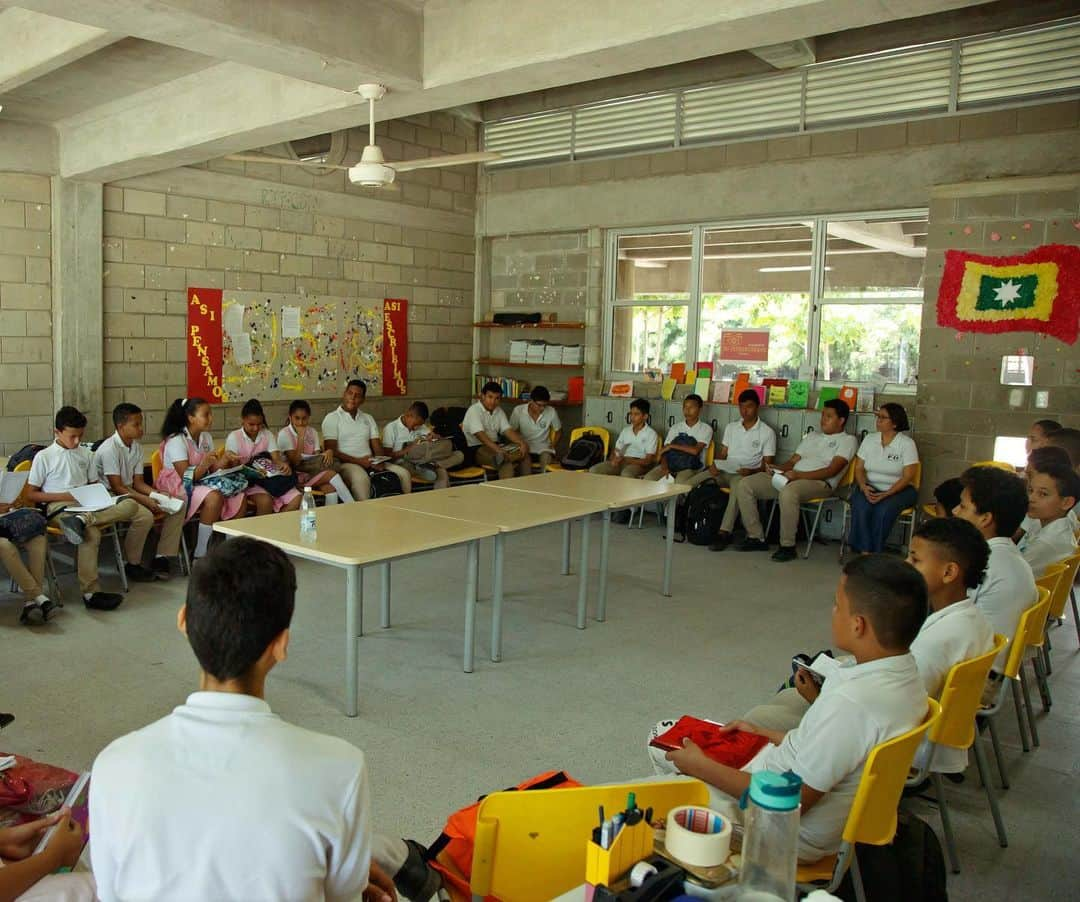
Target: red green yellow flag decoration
{"type": "Point", "coordinates": [1035, 292]}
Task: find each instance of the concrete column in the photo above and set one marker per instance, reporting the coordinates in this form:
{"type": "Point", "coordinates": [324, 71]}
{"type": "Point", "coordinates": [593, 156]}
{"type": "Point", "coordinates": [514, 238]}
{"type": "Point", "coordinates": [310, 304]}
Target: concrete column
{"type": "Point", "coordinates": [78, 321]}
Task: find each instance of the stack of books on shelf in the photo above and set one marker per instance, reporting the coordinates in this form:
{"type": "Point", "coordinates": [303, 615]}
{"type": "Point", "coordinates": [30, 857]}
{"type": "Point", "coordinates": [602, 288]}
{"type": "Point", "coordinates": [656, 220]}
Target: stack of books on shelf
{"type": "Point", "coordinates": [573, 355]}
{"type": "Point", "coordinates": [519, 350]}
{"type": "Point", "coordinates": [511, 388]}
{"type": "Point", "coordinates": [536, 351]}
{"type": "Point", "coordinates": [553, 354]}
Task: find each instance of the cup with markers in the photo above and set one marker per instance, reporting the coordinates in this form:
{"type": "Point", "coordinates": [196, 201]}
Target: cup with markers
{"type": "Point", "coordinates": [617, 844]}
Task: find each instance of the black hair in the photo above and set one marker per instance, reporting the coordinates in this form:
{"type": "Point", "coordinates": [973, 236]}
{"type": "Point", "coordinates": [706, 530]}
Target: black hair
{"type": "Point", "coordinates": [1058, 469]}
{"type": "Point", "coordinates": [240, 597]}
{"type": "Point", "coordinates": [176, 417]}
{"type": "Point", "coordinates": [640, 404]}
{"type": "Point", "coordinates": [299, 404]}
{"type": "Point", "coordinates": [695, 398]}
{"type": "Point", "coordinates": [891, 594]}
{"type": "Point", "coordinates": [1001, 494]}
{"type": "Point", "coordinates": [252, 408]}
{"type": "Point", "coordinates": [748, 394]}
{"type": "Point", "coordinates": [1046, 456]}
{"type": "Point", "coordinates": [1049, 427]}
{"type": "Point", "coordinates": [841, 408]}
{"type": "Point", "coordinates": [357, 383]}
{"type": "Point", "coordinates": [1069, 439]}
{"type": "Point", "coordinates": [123, 412]}
{"type": "Point", "coordinates": [69, 418]}
{"type": "Point", "coordinates": [898, 416]}
{"type": "Point", "coordinates": [961, 542]}
{"type": "Point", "coordinates": [947, 494]}
{"type": "Point", "coordinates": [492, 387]}
{"type": "Point", "coordinates": [420, 409]}
{"type": "Point", "coordinates": [539, 393]}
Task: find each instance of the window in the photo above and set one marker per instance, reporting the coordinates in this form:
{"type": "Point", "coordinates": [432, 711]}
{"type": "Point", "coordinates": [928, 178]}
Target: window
{"type": "Point", "coordinates": [840, 299]}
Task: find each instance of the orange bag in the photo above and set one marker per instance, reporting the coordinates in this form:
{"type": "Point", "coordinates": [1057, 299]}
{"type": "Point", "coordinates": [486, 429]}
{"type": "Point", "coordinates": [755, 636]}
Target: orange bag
{"type": "Point", "coordinates": [451, 854]}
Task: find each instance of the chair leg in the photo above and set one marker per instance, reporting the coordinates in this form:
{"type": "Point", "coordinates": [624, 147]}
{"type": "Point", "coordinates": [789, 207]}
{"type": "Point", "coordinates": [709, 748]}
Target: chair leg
{"type": "Point", "coordinates": [980, 761]}
{"type": "Point", "coordinates": [119, 551]}
{"type": "Point", "coordinates": [185, 560]}
{"type": "Point", "coordinates": [1076, 614]}
{"type": "Point", "coordinates": [844, 533]}
{"type": "Point", "coordinates": [768, 526]}
{"type": "Point", "coordinates": [813, 531]}
{"type": "Point", "coordinates": [1028, 708]}
{"type": "Point", "coordinates": [946, 822]}
{"type": "Point", "coordinates": [997, 752]}
{"type": "Point", "coordinates": [856, 877]}
{"type": "Point", "coordinates": [1018, 704]}
{"type": "Point", "coordinates": [1048, 667]}
{"type": "Point", "coordinates": [1040, 677]}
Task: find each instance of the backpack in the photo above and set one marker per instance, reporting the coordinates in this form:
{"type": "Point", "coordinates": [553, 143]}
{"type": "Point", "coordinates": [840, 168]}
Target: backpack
{"type": "Point", "coordinates": [26, 452]}
{"type": "Point", "coordinates": [912, 866]}
{"type": "Point", "coordinates": [384, 483]}
{"type": "Point", "coordinates": [681, 460]}
{"type": "Point", "coordinates": [446, 421]}
{"type": "Point", "coordinates": [698, 517]}
{"type": "Point", "coordinates": [586, 450]}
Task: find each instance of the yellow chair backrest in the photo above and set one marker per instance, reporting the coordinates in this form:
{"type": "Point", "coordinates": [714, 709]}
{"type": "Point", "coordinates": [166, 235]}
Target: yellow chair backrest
{"type": "Point", "coordinates": [22, 500]}
{"type": "Point", "coordinates": [155, 465]}
{"type": "Point", "coordinates": [849, 475]}
{"type": "Point", "coordinates": [1029, 631]}
{"type": "Point", "coordinates": [22, 466]}
{"type": "Point", "coordinates": [961, 697]}
{"type": "Point", "coordinates": [917, 481]}
{"type": "Point", "coordinates": [873, 813]}
{"type": "Point", "coordinates": [929, 510]}
{"type": "Point", "coordinates": [1000, 464]}
{"type": "Point", "coordinates": [710, 454]}
{"type": "Point", "coordinates": [600, 431]}
{"type": "Point", "coordinates": [1069, 565]}
{"type": "Point", "coordinates": [1051, 580]}
{"type": "Point", "coordinates": [531, 846]}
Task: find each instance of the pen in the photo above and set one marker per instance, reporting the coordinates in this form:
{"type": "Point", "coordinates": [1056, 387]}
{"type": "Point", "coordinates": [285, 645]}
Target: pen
{"type": "Point", "coordinates": [616, 826]}
{"type": "Point", "coordinates": [605, 835]}
{"type": "Point", "coordinates": [601, 815]}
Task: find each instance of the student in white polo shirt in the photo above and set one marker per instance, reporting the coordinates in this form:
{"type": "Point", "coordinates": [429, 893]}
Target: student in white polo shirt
{"type": "Point", "coordinates": [491, 440]}
{"type": "Point", "coordinates": [222, 798]}
{"type": "Point", "coordinates": [118, 463]}
{"type": "Point", "coordinates": [814, 471]}
{"type": "Point", "coordinates": [748, 447]}
{"type": "Point", "coordinates": [409, 429]}
{"type": "Point", "coordinates": [701, 435]}
{"type": "Point", "coordinates": [538, 423]}
{"type": "Point", "coordinates": [1049, 529]}
{"type": "Point", "coordinates": [353, 436]}
{"type": "Point", "coordinates": [880, 605]}
{"type": "Point", "coordinates": [635, 448]}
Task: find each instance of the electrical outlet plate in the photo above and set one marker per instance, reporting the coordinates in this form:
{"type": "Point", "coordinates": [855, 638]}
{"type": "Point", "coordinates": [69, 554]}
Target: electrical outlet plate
{"type": "Point", "coordinates": [1042, 399]}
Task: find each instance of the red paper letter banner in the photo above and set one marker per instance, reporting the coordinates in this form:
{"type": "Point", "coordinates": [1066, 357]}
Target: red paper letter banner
{"type": "Point", "coordinates": [395, 349]}
{"type": "Point", "coordinates": [1036, 292]}
{"type": "Point", "coordinates": [204, 344]}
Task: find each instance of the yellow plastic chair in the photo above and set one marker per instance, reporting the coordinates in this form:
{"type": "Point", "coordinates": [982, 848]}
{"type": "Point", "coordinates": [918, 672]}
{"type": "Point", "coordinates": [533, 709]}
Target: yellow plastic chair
{"type": "Point", "coordinates": [1064, 592]}
{"type": "Point", "coordinates": [531, 846]}
{"type": "Point", "coordinates": [155, 470]}
{"type": "Point", "coordinates": [872, 819]}
{"type": "Point", "coordinates": [1000, 464]}
{"type": "Point", "coordinates": [577, 433]}
{"type": "Point", "coordinates": [955, 729]}
{"type": "Point", "coordinates": [815, 506]}
{"type": "Point", "coordinates": [50, 570]}
{"type": "Point", "coordinates": [1051, 580]}
{"type": "Point", "coordinates": [906, 518]}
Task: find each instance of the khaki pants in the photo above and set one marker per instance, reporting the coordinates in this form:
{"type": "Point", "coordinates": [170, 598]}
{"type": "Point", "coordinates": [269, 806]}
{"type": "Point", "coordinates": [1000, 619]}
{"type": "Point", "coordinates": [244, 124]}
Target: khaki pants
{"type": "Point", "coordinates": [731, 481]}
{"type": "Point", "coordinates": [442, 478]}
{"type": "Point", "coordinates": [607, 468]}
{"type": "Point", "coordinates": [784, 711]}
{"type": "Point", "coordinates": [683, 477]}
{"type": "Point", "coordinates": [511, 461]}
{"type": "Point", "coordinates": [759, 486]}
{"type": "Point", "coordinates": [124, 510]}
{"type": "Point", "coordinates": [313, 466]}
{"type": "Point", "coordinates": [168, 545]}
{"type": "Point", "coordinates": [543, 460]}
{"type": "Point", "coordinates": [31, 575]}
{"type": "Point", "coordinates": [359, 483]}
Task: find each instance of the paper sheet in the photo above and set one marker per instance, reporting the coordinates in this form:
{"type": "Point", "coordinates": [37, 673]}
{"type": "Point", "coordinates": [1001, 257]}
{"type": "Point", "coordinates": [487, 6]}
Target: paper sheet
{"type": "Point", "coordinates": [93, 497]}
{"type": "Point", "coordinates": [11, 484]}
{"type": "Point", "coordinates": [727, 465]}
{"type": "Point", "coordinates": [241, 343]}
{"type": "Point", "coordinates": [290, 322]}
{"type": "Point", "coordinates": [232, 320]}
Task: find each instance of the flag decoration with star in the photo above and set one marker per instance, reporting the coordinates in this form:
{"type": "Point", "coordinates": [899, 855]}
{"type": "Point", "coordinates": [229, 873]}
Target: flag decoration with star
{"type": "Point", "coordinates": [1035, 292]}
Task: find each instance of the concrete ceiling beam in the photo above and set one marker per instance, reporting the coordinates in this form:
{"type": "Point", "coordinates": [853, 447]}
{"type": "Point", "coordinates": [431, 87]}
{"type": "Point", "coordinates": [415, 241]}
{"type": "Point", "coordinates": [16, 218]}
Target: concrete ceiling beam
{"type": "Point", "coordinates": [37, 44]}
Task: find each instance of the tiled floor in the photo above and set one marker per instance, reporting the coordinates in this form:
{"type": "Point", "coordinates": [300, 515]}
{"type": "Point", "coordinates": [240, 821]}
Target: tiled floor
{"type": "Point", "coordinates": [436, 737]}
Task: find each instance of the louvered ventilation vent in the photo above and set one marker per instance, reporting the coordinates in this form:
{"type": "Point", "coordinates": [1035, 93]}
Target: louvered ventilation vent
{"type": "Point", "coordinates": [739, 108]}
{"type": "Point", "coordinates": [1020, 64]}
{"type": "Point", "coordinates": [638, 122]}
{"type": "Point", "coordinates": [544, 137]}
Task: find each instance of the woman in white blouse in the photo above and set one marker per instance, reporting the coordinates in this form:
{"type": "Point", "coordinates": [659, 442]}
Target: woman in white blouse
{"type": "Point", "coordinates": [885, 469]}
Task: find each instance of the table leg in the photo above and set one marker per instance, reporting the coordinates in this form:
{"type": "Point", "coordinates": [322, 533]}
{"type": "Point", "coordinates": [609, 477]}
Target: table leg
{"type": "Point", "coordinates": [354, 629]}
{"type": "Point", "coordinates": [583, 578]}
{"type": "Point", "coordinates": [670, 516]}
{"type": "Point", "coordinates": [497, 598]}
{"type": "Point", "coordinates": [605, 541]}
{"type": "Point", "coordinates": [385, 624]}
{"type": "Point", "coordinates": [566, 548]}
{"type": "Point", "coordinates": [472, 576]}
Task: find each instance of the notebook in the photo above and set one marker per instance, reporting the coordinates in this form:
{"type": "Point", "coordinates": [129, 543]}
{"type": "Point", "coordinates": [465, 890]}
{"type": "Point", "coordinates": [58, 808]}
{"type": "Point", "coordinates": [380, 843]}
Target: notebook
{"type": "Point", "coordinates": [735, 748]}
{"type": "Point", "coordinates": [11, 486]}
{"type": "Point", "coordinates": [78, 800]}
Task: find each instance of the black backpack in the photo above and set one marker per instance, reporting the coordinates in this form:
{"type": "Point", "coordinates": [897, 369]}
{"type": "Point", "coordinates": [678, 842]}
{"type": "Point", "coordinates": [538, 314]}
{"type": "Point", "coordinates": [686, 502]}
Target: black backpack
{"type": "Point", "coordinates": [26, 452]}
{"type": "Point", "coordinates": [446, 421]}
{"type": "Point", "coordinates": [698, 517]}
{"type": "Point", "coordinates": [677, 461]}
{"type": "Point", "coordinates": [586, 451]}
{"type": "Point", "coordinates": [385, 483]}
{"type": "Point", "coordinates": [912, 866]}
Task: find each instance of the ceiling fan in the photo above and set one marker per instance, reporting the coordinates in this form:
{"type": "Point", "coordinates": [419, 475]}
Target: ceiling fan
{"type": "Point", "coordinates": [373, 171]}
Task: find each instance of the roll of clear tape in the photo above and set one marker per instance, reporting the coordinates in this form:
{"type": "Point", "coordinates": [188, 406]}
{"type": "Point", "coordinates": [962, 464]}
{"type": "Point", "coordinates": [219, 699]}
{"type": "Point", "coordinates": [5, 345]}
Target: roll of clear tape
{"type": "Point", "coordinates": [698, 836]}
{"type": "Point", "coordinates": [640, 872]}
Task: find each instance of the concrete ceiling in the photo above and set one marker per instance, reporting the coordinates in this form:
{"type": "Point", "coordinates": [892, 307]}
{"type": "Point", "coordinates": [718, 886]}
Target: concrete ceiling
{"type": "Point", "coordinates": [108, 89]}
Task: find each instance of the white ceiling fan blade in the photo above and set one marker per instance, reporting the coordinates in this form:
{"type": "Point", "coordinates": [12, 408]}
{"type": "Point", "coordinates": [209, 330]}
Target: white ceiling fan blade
{"type": "Point", "coordinates": [283, 161]}
{"type": "Point", "coordinates": [457, 159]}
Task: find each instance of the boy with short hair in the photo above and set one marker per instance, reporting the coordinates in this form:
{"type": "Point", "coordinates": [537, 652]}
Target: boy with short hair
{"type": "Point", "coordinates": [947, 496]}
{"type": "Point", "coordinates": [1049, 527]}
{"type": "Point", "coordinates": [1039, 434]}
{"type": "Point", "coordinates": [408, 429]}
{"type": "Point", "coordinates": [484, 425]}
{"type": "Point", "coordinates": [702, 435]}
{"type": "Point", "coordinates": [118, 465]}
{"type": "Point", "coordinates": [880, 605]}
{"type": "Point", "coordinates": [539, 424]}
{"type": "Point", "coordinates": [57, 469]}
{"type": "Point", "coordinates": [635, 448]}
{"type": "Point", "coordinates": [353, 437]}
{"type": "Point", "coordinates": [1069, 441]}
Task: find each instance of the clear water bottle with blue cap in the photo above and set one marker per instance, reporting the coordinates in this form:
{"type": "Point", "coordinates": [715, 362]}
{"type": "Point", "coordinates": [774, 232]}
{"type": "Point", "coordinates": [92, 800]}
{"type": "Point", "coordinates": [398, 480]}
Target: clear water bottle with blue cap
{"type": "Point", "coordinates": [770, 846]}
{"type": "Point", "coordinates": [309, 532]}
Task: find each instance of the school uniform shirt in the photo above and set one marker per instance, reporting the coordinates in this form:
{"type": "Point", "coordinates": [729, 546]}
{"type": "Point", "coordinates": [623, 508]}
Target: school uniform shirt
{"type": "Point", "coordinates": [287, 440]}
{"type": "Point", "coordinates": [747, 447]}
{"type": "Point", "coordinates": [885, 464]}
{"type": "Point", "coordinates": [114, 458]}
{"type": "Point", "coordinates": [57, 469]}
{"type": "Point", "coordinates": [222, 799]}
{"type": "Point", "coordinates": [396, 435]}
{"type": "Point", "coordinates": [860, 706]}
{"type": "Point", "coordinates": [956, 633]}
{"type": "Point", "coordinates": [700, 432]}
{"type": "Point", "coordinates": [535, 432]}
{"type": "Point", "coordinates": [176, 448]}
{"type": "Point", "coordinates": [1042, 546]}
{"type": "Point", "coordinates": [637, 444]}
{"type": "Point", "coordinates": [817, 450]}
{"type": "Point", "coordinates": [477, 419]}
{"type": "Point", "coordinates": [352, 434]}
{"type": "Point", "coordinates": [242, 445]}
{"type": "Point", "coordinates": [1006, 591]}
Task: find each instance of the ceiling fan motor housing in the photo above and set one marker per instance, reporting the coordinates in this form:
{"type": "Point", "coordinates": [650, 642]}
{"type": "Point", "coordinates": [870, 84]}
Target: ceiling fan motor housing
{"type": "Point", "coordinates": [371, 171]}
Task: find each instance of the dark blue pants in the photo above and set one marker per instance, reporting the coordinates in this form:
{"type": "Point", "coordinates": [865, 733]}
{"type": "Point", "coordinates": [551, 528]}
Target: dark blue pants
{"type": "Point", "coordinates": [872, 523]}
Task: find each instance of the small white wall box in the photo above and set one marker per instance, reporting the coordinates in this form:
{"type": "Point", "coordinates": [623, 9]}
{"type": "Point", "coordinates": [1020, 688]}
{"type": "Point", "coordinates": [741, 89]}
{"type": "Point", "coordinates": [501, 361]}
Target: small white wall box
{"type": "Point", "coordinates": [1017, 370]}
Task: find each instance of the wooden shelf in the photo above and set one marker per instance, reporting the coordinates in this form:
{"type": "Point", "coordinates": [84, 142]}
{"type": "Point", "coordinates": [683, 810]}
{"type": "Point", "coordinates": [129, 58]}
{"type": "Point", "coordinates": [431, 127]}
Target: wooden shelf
{"type": "Point", "coordinates": [529, 325]}
{"type": "Point", "coordinates": [488, 361]}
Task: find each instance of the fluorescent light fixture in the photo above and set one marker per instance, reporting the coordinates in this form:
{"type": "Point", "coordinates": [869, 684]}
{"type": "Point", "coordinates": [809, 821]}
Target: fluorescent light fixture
{"type": "Point", "coordinates": [650, 264]}
{"type": "Point", "coordinates": [1010, 449]}
{"type": "Point", "coordinates": [790, 269]}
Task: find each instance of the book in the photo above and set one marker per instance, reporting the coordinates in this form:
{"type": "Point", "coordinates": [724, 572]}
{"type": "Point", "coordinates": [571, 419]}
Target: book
{"type": "Point", "coordinates": [798, 394]}
{"type": "Point", "coordinates": [78, 800]}
{"type": "Point", "coordinates": [760, 389]}
{"type": "Point", "coordinates": [777, 395]}
{"type": "Point", "coordinates": [735, 748]}
{"type": "Point", "coordinates": [667, 388]}
{"type": "Point", "coordinates": [849, 394]}
{"type": "Point", "coordinates": [742, 383]}
{"type": "Point", "coordinates": [721, 392]}
{"type": "Point", "coordinates": [11, 486]}
{"type": "Point", "coordinates": [678, 372]}
{"type": "Point", "coordinates": [621, 389]}
{"type": "Point", "coordinates": [705, 368]}
{"type": "Point", "coordinates": [166, 502]}
{"type": "Point", "coordinates": [92, 497]}
{"type": "Point", "coordinates": [701, 386]}
{"type": "Point", "coordinates": [826, 394]}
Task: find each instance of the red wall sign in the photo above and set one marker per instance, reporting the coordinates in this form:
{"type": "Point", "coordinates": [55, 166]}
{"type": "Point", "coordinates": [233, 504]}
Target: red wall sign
{"type": "Point", "coordinates": [395, 355]}
{"type": "Point", "coordinates": [744, 345]}
{"type": "Point", "coordinates": [204, 344]}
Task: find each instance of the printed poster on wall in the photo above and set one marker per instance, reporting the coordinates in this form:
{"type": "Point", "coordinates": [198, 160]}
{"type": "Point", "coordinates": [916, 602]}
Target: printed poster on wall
{"type": "Point", "coordinates": [744, 346]}
{"type": "Point", "coordinates": [204, 344]}
{"type": "Point", "coordinates": [395, 346]}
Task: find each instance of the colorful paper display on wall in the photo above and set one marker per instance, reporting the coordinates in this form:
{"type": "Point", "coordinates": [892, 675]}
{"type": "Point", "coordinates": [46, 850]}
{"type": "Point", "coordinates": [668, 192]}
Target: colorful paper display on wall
{"type": "Point", "coordinates": [1034, 292]}
{"type": "Point", "coordinates": [395, 360]}
{"type": "Point", "coordinates": [204, 344]}
{"type": "Point", "coordinates": [744, 346]}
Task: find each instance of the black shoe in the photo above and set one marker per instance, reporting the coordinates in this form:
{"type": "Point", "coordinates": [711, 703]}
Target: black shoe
{"type": "Point", "coordinates": [138, 573]}
{"type": "Point", "coordinates": [73, 527]}
{"type": "Point", "coordinates": [785, 553]}
{"type": "Point", "coordinates": [47, 608]}
{"type": "Point", "coordinates": [104, 601]}
{"type": "Point", "coordinates": [31, 614]}
{"type": "Point", "coordinates": [749, 544]}
{"type": "Point", "coordinates": [416, 879]}
{"type": "Point", "coordinates": [161, 568]}
{"type": "Point", "coordinates": [954, 778]}
{"type": "Point", "coordinates": [6, 719]}
{"type": "Point", "coordinates": [722, 541]}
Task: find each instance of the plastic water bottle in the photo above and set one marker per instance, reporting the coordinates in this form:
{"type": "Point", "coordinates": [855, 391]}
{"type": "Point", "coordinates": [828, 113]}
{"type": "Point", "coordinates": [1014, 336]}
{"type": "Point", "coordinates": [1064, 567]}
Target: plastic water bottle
{"type": "Point", "coordinates": [309, 532]}
{"type": "Point", "coordinates": [771, 841]}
